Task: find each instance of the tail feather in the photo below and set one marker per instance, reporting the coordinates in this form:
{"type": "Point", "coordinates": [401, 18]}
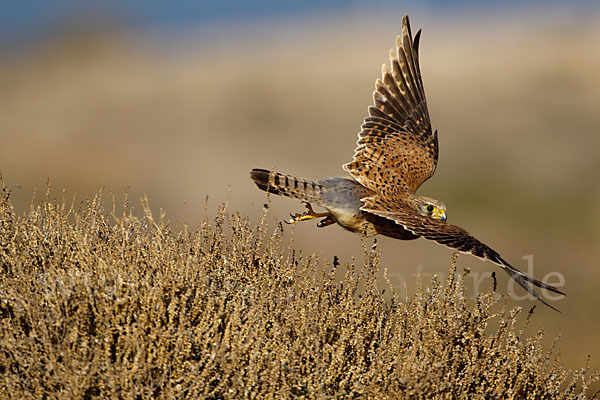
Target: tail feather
{"type": "Point", "coordinates": [288, 185]}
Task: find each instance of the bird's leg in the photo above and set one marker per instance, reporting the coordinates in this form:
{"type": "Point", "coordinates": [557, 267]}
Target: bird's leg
{"type": "Point", "coordinates": [310, 214]}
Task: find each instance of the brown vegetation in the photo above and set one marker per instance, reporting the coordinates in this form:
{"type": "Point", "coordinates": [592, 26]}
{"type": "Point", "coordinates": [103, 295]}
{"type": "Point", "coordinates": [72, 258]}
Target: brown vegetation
{"type": "Point", "coordinates": [95, 304]}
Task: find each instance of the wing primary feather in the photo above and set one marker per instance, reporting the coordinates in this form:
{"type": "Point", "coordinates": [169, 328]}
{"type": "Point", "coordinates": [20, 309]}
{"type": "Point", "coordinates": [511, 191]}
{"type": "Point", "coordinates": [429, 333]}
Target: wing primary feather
{"type": "Point", "coordinates": [523, 283]}
{"type": "Point", "coordinates": [383, 97]}
{"type": "Point", "coordinates": [416, 41]}
{"type": "Point", "coordinates": [417, 66]}
{"type": "Point", "coordinates": [392, 86]}
{"type": "Point", "coordinates": [528, 278]}
{"type": "Point", "coordinates": [407, 78]}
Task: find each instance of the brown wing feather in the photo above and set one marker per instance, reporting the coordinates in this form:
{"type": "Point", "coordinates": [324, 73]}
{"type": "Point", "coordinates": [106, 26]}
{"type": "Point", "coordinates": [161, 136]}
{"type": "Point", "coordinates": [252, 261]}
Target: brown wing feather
{"type": "Point", "coordinates": [396, 149]}
{"type": "Point", "coordinates": [453, 237]}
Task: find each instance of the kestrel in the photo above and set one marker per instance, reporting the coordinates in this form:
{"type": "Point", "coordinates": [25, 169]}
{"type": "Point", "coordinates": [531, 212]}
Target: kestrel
{"type": "Point", "coordinates": [396, 152]}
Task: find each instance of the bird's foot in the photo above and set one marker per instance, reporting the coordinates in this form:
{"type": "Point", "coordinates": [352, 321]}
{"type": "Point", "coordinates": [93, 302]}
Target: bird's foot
{"type": "Point", "coordinates": [310, 214]}
{"type": "Point", "coordinates": [326, 222]}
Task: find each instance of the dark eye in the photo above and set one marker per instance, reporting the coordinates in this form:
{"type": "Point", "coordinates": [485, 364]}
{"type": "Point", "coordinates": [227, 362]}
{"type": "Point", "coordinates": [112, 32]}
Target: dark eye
{"type": "Point", "coordinates": [430, 208]}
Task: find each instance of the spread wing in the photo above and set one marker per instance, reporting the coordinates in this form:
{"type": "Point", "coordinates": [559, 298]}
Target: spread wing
{"type": "Point", "coordinates": [396, 149]}
{"type": "Point", "coordinates": [451, 236]}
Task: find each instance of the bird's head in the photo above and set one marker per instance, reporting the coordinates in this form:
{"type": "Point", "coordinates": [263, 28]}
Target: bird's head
{"type": "Point", "coordinates": [430, 207]}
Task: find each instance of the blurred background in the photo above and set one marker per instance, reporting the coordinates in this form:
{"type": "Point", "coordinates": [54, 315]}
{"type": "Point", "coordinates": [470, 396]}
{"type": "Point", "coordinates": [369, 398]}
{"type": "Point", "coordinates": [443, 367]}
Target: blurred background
{"type": "Point", "coordinates": [180, 99]}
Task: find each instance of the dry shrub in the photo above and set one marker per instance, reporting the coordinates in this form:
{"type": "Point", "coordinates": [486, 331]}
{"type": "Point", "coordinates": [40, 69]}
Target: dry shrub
{"type": "Point", "coordinates": [99, 305]}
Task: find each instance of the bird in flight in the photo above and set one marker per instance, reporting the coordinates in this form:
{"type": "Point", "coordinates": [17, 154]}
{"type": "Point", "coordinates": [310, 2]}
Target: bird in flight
{"type": "Point", "coordinates": [396, 152]}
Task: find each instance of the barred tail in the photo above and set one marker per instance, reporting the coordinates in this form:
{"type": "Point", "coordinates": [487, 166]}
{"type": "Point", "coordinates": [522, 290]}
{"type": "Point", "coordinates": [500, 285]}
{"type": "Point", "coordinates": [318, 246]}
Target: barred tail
{"type": "Point", "coordinates": [288, 185]}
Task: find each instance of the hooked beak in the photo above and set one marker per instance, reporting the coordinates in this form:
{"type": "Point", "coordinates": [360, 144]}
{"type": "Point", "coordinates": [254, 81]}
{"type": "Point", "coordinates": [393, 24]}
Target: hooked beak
{"type": "Point", "coordinates": [440, 214]}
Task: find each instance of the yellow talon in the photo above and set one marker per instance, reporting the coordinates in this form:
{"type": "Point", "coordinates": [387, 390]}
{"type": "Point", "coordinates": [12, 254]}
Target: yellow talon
{"type": "Point", "coordinates": [306, 217]}
{"type": "Point", "coordinates": [310, 214]}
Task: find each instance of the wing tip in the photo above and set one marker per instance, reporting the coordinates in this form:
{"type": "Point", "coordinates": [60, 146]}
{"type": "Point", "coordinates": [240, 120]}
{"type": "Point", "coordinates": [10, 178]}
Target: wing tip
{"type": "Point", "coordinates": [525, 281]}
{"type": "Point", "coordinates": [416, 41]}
{"type": "Point", "coordinates": [405, 22]}
{"type": "Point", "coordinates": [385, 69]}
{"type": "Point", "coordinates": [406, 31]}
